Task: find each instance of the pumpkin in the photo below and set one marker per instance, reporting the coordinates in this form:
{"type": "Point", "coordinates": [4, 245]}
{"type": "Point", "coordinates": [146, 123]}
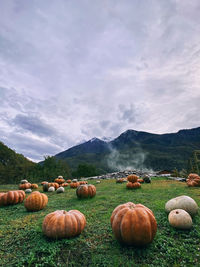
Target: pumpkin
{"type": "Point", "coordinates": [34, 186]}
{"type": "Point", "coordinates": [23, 182]}
{"type": "Point", "coordinates": [120, 180]}
{"type": "Point", "coordinates": [193, 180]}
{"type": "Point", "coordinates": [44, 182]}
{"type": "Point", "coordinates": [45, 187]}
{"type": "Point", "coordinates": [192, 176]}
{"type": "Point", "coordinates": [130, 185]}
{"type": "Point", "coordinates": [51, 189]}
{"type": "Point", "coordinates": [36, 201]}
{"type": "Point", "coordinates": [63, 224]}
{"type": "Point", "coordinates": [147, 179]}
{"type": "Point", "coordinates": [86, 191]}
{"type": "Point", "coordinates": [59, 180]}
{"type": "Point", "coordinates": [12, 197]}
{"type": "Point", "coordinates": [180, 219]}
{"type": "Point", "coordinates": [182, 202]}
{"type": "Point", "coordinates": [24, 186]}
{"type": "Point", "coordinates": [74, 184]}
{"type": "Point", "coordinates": [133, 224]}
{"type": "Point", "coordinates": [63, 185]}
{"type": "Point", "coordinates": [27, 191]}
{"type": "Point", "coordinates": [83, 182]}
{"type": "Point", "coordinates": [132, 178]}
{"type": "Point", "coordinates": [55, 185]}
{"type": "Point", "coordinates": [69, 181]}
{"type": "Point", "coordinates": [60, 190]}
{"type": "Point", "coordinates": [140, 181]}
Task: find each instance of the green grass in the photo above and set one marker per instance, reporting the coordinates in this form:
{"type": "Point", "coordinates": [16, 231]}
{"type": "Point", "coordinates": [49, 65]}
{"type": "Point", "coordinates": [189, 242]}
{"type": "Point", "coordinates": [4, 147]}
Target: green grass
{"type": "Point", "coordinates": [22, 242]}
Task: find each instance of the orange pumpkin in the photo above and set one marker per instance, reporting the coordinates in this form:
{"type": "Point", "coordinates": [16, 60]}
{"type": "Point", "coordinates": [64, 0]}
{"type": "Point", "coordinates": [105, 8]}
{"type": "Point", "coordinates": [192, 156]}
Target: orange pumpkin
{"type": "Point", "coordinates": [55, 185]}
{"type": "Point", "coordinates": [86, 191]}
{"type": "Point", "coordinates": [63, 224]}
{"type": "Point", "coordinates": [74, 184]}
{"type": "Point", "coordinates": [120, 180]}
{"type": "Point", "coordinates": [44, 182]}
{"type": "Point", "coordinates": [64, 185]}
{"type": "Point", "coordinates": [34, 186]}
{"type": "Point", "coordinates": [59, 180]}
{"type": "Point", "coordinates": [132, 178]}
{"type": "Point", "coordinates": [193, 180]}
{"type": "Point", "coordinates": [83, 182]}
{"type": "Point", "coordinates": [12, 197]}
{"type": "Point", "coordinates": [36, 201]}
{"type": "Point", "coordinates": [140, 181]}
{"type": "Point", "coordinates": [133, 224]}
{"type": "Point", "coordinates": [135, 185]}
{"type": "Point", "coordinates": [69, 181]}
{"type": "Point", "coordinates": [25, 186]}
{"type": "Point", "coordinates": [192, 176]}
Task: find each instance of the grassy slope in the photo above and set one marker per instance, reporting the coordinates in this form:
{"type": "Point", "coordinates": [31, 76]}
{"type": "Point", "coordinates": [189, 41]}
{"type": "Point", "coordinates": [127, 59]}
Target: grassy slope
{"type": "Point", "coordinates": [23, 244]}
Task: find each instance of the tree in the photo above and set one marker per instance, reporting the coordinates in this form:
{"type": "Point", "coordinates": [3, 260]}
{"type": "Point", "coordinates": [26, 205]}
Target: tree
{"type": "Point", "coordinates": [85, 170]}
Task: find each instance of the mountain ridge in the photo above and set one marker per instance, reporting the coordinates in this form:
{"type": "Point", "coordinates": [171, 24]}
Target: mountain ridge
{"type": "Point", "coordinates": [161, 151]}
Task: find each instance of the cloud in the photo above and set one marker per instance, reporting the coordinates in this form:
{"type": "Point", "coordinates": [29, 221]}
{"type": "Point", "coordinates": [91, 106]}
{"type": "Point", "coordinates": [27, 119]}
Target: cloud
{"type": "Point", "coordinates": [33, 124]}
{"type": "Point", "coordinates": [72, 70]}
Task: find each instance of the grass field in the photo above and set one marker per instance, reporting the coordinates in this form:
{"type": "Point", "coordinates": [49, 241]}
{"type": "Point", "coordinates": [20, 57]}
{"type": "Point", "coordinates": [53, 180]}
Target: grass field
{"type": "Point", "coordinates": [22, 242]}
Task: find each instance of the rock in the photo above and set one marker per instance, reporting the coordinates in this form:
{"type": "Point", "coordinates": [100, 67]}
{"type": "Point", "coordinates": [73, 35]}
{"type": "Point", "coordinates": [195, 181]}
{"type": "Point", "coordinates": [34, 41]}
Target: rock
{"type": "Point", "coordinates": [28, 191]}
{"type": "Point", "coordinates": [23, 182]}
{"type": "Point", "coordinates": [180, 219]}
{"type": "Point", "coordinates": [51, 189]}
{"type": "Point", "coordinates": [182, 202]}
{"type": "Point", "coordinates": [74, 180]}
{"type": "Point", "coordinates": [98, 182]}
{"type": "Point", "coordinates": [60, 190]}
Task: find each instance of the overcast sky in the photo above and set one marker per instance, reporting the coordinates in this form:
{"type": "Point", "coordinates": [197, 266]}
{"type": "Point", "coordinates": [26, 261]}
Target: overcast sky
{"type": "Point", "coordinates": [72, 70]}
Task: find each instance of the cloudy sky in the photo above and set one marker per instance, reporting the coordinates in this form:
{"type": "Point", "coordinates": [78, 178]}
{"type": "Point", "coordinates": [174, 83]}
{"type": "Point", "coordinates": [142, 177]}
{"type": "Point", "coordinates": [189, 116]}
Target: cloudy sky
{"type": "Point", "coordinates": [71, 70]}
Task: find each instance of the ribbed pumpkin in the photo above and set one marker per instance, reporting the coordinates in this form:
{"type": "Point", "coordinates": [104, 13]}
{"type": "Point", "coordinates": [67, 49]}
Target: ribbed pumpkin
{"type": "Point", "coordinates": [55, 185]}
{"type": "Point", "coordinates": [69, 181]}
{"type": "Point", "coordinates": [34, 186]}
{"type": "Point", "coordinates": [74, 184]}
{"type": "Point", "coordinates": [135, 185]}
{"type": "Point", "coordinates": [64, 185]}
{"type": "Point", "coordinates": [44, 182]}
{"type": "Point", "coordinates": [83, 182]}
{"type": "Point", "coordinates": [12, 197]}
{"type": "Point", "coordinates": [24, 186]}
{"type": "Point", "coordinates": [63, 224]}
{"type": "Point", "coordinates": [86, 191]}
{"type": "Point", "coordinates": [133, 224]}
{"type": "Point", "coordinates": [132, 178]}
{"type": "Point", "coordinates": [59, 180]}
{"type": "Point", "coordinates": [193, 180]}
{"type": "Point", "coordinates": [120, 180]}
{"type": "Point", "coordinates": [140, 181]}
{"type": "Point", "coordinates": [36, 201]}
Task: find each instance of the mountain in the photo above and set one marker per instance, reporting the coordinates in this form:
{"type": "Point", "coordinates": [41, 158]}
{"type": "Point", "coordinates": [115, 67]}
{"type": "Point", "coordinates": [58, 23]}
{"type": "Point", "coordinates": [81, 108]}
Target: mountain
{"type": "Point", "coordinates": [136, 149]}
{"type": "Point", "coordinates": [13, 166]}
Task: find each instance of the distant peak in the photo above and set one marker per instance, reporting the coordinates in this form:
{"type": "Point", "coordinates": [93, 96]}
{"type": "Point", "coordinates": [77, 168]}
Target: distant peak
{"type": "Point", "coordinates": [95, 139]}
{"type": "Point", "coordinates": [106, 139]}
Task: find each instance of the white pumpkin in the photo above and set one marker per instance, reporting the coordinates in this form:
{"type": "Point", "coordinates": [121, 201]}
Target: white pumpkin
{"type": "Point", "coordinates": [51, 189]}
{"type": "Point", "coordinates": [23, 182]}
{"type": "Point", "coordinates": [180, 219]}
{"type": "Point", "coordinates": [182, 202]}
{"type": "Point", "coordinates": [60, 190]}
{"type": "Point", "coordinates": [28, 190]}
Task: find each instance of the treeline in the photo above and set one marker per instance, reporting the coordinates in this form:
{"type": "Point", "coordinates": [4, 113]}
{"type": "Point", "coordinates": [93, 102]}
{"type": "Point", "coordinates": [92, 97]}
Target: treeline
{"type": "Point", "coordinates": [15, 167]}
